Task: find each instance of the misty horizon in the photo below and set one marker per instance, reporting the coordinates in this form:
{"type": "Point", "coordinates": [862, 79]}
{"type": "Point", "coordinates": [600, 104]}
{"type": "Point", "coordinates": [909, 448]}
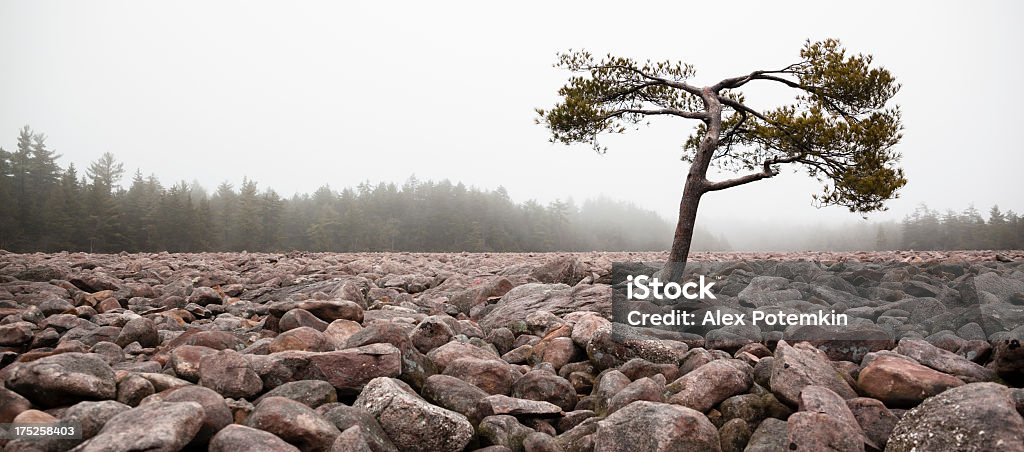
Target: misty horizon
{"type": "Point", "coordinates": [339, 94]}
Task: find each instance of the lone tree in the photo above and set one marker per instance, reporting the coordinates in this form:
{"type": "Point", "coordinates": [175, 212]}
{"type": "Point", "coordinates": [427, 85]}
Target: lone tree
{"type": "Point", "coordinates": [838, 128]}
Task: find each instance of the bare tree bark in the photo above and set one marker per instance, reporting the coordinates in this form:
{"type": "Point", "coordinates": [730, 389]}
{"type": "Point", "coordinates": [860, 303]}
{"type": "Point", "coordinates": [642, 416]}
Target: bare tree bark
{"type": "Point", "coordinates": [695, 187]}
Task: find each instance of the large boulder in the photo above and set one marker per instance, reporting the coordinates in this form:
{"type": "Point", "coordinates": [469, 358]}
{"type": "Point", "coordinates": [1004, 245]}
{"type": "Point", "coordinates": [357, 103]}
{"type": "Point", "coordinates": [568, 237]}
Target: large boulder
{"type": "Point", "coordinates": [712, 383]}
{"type": "Point", "coordinates": [558, 299]}
{"type": "Point", "coordinates": [901, 382]}
{"type": "Point", "coordinates": [230, 374]}
{"type": "Point", "coordinates": [972, 417]}
{"type": "Point", "coordinates": [293, 422]}
{"type": "Point", "coordinates": [656, 426]}
{"type": "Point", "coordinates": [64, 379]}
{"type": "Point", "coordinates": [796, 367]}
{"type": "Point", "coordinates": [410, 422]}
{"type": "Point", "coordinates": [944, 361]}
{"type": "Point", "coordinates": [824, 422]}
{"type": "Point", "coordinates": [157, 427]}
{"type": "Point", "coordinates": [237, 437]}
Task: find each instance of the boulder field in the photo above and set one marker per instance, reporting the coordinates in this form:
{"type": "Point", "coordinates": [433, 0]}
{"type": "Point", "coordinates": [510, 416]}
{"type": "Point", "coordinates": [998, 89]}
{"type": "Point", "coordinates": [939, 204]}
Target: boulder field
{"type": "Point", "coordinates": [508, 352]}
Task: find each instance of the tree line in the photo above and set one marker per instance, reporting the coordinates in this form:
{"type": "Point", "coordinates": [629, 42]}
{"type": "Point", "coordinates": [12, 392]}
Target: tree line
{"type": "Point", "coordinates": [928, 229]}
{"type": "Point", "coordinates": [47, 207]}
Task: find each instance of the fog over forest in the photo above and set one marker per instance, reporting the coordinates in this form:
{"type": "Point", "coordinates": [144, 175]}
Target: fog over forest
{"type": "Point", "coordinates": [46, 206]}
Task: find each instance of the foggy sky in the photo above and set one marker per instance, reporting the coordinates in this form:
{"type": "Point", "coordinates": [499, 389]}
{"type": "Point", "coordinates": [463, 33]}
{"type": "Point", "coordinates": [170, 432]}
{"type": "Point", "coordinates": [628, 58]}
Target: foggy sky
{"type": "Point", "coordinates": [300, 94]}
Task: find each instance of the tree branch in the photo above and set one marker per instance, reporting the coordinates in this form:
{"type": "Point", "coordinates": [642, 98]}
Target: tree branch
{"type": "Point", "coordinates": [664, 111]}
{"type": "Point", "coordinates": [664, 81]}
{"type": "Point", "coordinates": [766, 172]}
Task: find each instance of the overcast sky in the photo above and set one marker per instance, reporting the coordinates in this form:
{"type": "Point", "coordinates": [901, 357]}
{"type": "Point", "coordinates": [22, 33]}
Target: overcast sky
{"type": "Point", "coordinates": [301, 94]}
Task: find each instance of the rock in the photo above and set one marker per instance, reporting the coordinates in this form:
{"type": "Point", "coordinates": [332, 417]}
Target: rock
{"type": "Point", "coordinates": [11, 404]}
{"type": "Point", "coordinates": [478, 291]}
{"type": "Point", "coordinates": [585, 328]}
{"type": "Point", "coordinates": [843, 343]}
{"type": "Point", "coordinates": [711, 383]}
{"type": "Point", "coordinates": [454, 394]}
{"type": "Point", "coordinates": [901, 382]}
{"type": "Point", "coordinates": [203, 296]}
{"type": "Point", "coordinates": [326, 310]}
{"type": "Point", "coordinates": [974, 289]}
{"type": "Point", "coordinates": [824, 422]}
{"type": "Point", "coordinates": [349, 370]}
{"type": "Point", "coordinates": [293, 422]}
{"type": "Point", "coordinates": [646, 425]}
{"type": "Point", "coordinates": [63, 379]}
{"type": "Point", "coordinates": [185, 360]}
{"type": "Point", "coordinates": [34, 417]}
{"type": "Point", "coordinates": [876, 421]}
{"type": "Point", "coordinates": [612, 346]}
{"type": "Point", "coordinates": [241, 438]}
{"type": "Point", "coordinates": [944, 361]}
{"type": "Point", "coordinates": [132, 389]}
{"type": "Point", "coordinates": [15, 334]}
{"type": "Point", "coordinates": [558, 299]}
{"type": "Point", "coordinates": [975, 416]}
{"type": "Point", "coordinates": [753, 408]}
{"type": "Point", "coordinates": [394, 404]}
{"type": "Point", "coordinates": [770, 436]}
{"type": "Point", "coordinates": [545, 386]}
{"type": "Point", "coordinates": [445, 354]}
{"type": "Point", "coordinates": [767, 291]}
{"type": "Point", "coordinates": [302, 338]}
{"type": "Point", "coordinates": [297, 318]}
{"type": "Point", "coordinates": [339, 331]}
{"type": "Point", "coordinates": [1008, 359]}
{"type": "Point", "coordinates": [89, 416]}
{"type": "Point", "coordinates": [641, 389]}
{"type": "Point", "coordinates": [431, 333]}
{"type": "Point", "coordinates": [564, 270]}
{"type": "Point", "coordinates": [159, 426]}
{"type": "Point", "coordinates": [559, 351]}
{"type": "Point", "coordinates": [231, 375]}
{"type": "Point", "coordinates": [346, 417]}
{"type": "Point", "coordinates": [541, 442]}
{"type": "Point", "coordinates": [311, 393]}
{"type": "Point", "coordinates": [504, 430]}
{"type": "Point", "coordinates": [354, 439]}
{"type": "Point", "coordinates": [798, 366]}
{"type": "Point", "coordinates": [415, 366]}
{"type": "Point", "coordinates": [500, 404]}
{"type": "Point", "coordinates": [817, 431]}
{"type": "Point", "coordinates": [734, 435]}
{"type": "Point", "coordinates": [491, 375]}
{"type": "Point", "coordinates": [216, 414]}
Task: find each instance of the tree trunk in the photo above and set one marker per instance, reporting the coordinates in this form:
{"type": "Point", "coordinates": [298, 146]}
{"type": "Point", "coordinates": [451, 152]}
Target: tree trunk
{"type": "Point", "coordinates": [683, 237]}
{"type": "Point", "coordinates": [695, 187]}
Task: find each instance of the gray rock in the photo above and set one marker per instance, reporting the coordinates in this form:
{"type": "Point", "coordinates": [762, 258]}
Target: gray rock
{"type": "Point", "coordinates": [973, 417]}
{"type": "Point", "coordinates": [228, 373]}
{"type": "Point", "coordinates": [393, 404]}
{"type": "Point", "coordinates": [504, 430]}
{"type": "Point", "coordinates": [646, 425]}
{"type": "Point", "coordinates": [293, 422]}
{"type": "Point", "coordinates": [216, 414]}
{"type": "Point", "coordinates": [547, 387]}
{"type": "Point", "coordinates": [311, 393]}
{"type": "Point", "coordinates": [346, 417]}
{"type": "Point", "coordinates": [237, 437]}
{"type": "Point", "coordinates": [160, 426]}
{"type": "Point", "coordinates": [796, 367]}
{"type": "Point", "coordinates": [63, 379]}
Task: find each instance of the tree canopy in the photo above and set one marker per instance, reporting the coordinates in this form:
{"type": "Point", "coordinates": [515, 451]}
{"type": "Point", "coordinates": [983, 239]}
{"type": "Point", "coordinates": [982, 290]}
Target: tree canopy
{"type": "Point", "coordinates": [839, 127]}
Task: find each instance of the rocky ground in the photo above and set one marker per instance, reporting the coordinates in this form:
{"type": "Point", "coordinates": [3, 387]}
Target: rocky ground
{"type": "Point", "coordinates": [451, 352]}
